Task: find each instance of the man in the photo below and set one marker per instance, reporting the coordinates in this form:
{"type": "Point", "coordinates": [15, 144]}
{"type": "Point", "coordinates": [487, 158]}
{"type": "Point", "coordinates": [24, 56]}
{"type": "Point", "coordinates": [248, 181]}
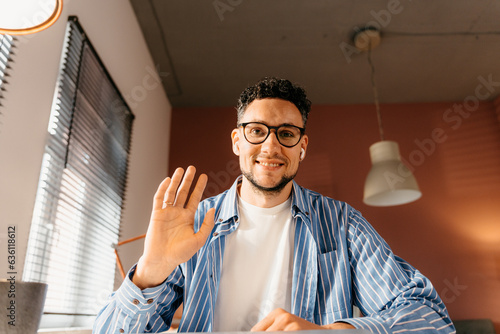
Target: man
{"type": "Point", "coordinates": [267, 254]}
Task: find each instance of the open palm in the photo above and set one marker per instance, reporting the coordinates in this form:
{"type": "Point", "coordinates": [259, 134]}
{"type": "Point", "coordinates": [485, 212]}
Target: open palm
{"type": "Point", "coordinates": [171, 239]}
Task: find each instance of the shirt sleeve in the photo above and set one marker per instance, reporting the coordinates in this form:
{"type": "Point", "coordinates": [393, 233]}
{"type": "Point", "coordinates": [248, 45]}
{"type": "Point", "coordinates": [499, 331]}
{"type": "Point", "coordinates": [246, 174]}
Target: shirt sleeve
{"type": "Point", "coordinates": [132, 310]}
{"type": "Point", "coordinates": [393, 295]}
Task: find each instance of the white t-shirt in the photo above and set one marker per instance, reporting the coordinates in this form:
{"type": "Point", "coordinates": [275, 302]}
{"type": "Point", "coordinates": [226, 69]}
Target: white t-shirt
{"type": "Point", "coordinates": [256, 275]}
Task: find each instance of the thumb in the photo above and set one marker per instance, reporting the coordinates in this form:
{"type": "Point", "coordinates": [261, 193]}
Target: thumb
{"type": "Point", "coordinates": [207, 226]}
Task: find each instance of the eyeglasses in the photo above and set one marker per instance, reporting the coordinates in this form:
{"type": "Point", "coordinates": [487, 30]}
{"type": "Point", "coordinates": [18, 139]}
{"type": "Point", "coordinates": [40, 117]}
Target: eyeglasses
{"type": "Point", "coordinates": [257, 133]}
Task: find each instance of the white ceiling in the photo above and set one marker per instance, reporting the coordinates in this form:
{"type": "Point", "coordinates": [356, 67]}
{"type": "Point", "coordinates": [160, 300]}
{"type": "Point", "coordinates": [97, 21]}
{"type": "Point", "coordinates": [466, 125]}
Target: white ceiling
{"type": "Point", "coordinates": [207, 51]}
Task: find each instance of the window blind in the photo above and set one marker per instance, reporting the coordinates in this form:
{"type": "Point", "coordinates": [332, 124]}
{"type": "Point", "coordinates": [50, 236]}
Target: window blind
{"type": "Point", "coordinates": [6, 43]}
{"type": "Point", "coordinates": [76, 220]}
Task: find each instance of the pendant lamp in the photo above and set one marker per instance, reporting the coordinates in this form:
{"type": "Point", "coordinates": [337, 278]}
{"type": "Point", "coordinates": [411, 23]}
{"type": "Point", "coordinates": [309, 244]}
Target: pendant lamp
{"type": "Point", "coordinates": [22, 17]}
{"type": "Point", "coordinates": [389, 181]}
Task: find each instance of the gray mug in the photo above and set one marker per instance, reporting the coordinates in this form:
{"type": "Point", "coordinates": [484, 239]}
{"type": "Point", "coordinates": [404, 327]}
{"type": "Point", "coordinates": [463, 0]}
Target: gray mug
{"type": "Point", "coordinates": [22, 306]}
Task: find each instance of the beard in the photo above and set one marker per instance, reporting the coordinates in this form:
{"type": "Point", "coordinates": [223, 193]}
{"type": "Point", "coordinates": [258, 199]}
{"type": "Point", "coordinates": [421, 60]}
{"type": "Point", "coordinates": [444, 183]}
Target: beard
{"type": "Point", "coordinates": [275, 190]}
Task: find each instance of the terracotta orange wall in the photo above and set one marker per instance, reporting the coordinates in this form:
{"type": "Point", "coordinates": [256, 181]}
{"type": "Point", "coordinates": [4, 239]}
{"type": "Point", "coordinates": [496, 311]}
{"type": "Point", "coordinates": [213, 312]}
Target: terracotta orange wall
{"type": "Point", "coordinates": [451, 234]}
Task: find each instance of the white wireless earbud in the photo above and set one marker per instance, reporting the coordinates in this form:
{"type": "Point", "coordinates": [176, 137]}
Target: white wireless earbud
{"type": "Point", "coordinates": [302, 153]}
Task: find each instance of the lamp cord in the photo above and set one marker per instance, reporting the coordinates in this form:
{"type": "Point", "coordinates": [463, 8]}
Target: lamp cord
{"type": "Point", "coordinates": [375, 93]}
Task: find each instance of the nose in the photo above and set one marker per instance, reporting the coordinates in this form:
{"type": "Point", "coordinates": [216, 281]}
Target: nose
{"type": "Point", "coordinates": [271, 144]}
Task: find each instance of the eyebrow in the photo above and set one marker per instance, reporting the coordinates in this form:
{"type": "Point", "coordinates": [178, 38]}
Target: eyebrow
{"type": "Point", "coordinates": [282, 124]}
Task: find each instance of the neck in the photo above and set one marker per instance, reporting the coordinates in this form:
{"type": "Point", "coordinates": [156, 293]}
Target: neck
{"type": "Point", "coordinates": [250, 194]}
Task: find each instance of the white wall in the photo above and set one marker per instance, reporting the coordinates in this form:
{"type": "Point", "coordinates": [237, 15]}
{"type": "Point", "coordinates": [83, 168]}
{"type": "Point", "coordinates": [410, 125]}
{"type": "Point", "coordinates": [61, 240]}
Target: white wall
{"type": "Point", "coordinates": [114, 32]}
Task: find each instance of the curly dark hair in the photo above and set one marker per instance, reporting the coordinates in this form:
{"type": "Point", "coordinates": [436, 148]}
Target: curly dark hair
{"type": "Point", "coordinates": [271, 87]}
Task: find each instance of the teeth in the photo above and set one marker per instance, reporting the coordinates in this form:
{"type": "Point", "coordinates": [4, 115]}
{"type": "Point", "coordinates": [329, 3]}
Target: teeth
{"type": "Point", "coordinates": [269, 164]}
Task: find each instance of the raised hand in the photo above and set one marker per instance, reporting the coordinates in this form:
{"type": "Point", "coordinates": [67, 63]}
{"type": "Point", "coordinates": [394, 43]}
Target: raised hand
{"type": "Point", "coordinates": [170, 239]}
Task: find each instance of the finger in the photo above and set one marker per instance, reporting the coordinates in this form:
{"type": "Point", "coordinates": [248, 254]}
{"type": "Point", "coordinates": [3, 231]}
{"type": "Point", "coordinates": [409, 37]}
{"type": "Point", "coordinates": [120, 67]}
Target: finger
{"type": "Point", "coordinates": [206, 228]}
{"type": "Point", "coordinates": [264, 324]}
{"type": "Point", "coordinates": [183, 190]}
{"type": "Point", "coordinates": [174, 184]}
{"type": "Point", "coordinates": [160, 194]}
{"type": "Point", "coordinates": [277, 325]}
{"type": "Point", "coordinates": [197, 193]}
{"type": "Point", "coordinates": [293, 327]}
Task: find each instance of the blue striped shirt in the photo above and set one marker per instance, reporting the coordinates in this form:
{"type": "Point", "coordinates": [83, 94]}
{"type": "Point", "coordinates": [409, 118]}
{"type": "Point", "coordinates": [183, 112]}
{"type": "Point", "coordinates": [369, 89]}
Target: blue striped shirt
{"type": "Point", "coordinates": [339, 261]}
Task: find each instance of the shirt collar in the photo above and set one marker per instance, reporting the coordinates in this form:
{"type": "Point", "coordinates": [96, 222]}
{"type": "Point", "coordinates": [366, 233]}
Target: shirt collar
{"type": "Point", "coordinates": [229, 207]}
{"type": "Point", "coordinates": [299, 202]}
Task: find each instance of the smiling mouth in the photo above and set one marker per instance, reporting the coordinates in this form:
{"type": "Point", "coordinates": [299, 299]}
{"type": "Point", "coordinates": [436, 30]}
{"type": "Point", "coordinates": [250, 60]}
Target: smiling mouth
{"type": "Point", "coordinates": [270, 163]}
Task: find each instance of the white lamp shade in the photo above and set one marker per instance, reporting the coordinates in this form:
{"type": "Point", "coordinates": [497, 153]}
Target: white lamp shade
{"type": "Point", "coordinates": [389, 181]}
{"type": "Point", "coordinates": [22, 17]}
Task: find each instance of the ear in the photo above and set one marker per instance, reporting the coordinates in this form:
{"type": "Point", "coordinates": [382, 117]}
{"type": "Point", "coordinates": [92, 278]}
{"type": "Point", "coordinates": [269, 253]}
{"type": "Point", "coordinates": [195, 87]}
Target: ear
{"type": "Point", "coordinates": [235, 138]}
{"type": "Point", "coordinates": [303, 147]}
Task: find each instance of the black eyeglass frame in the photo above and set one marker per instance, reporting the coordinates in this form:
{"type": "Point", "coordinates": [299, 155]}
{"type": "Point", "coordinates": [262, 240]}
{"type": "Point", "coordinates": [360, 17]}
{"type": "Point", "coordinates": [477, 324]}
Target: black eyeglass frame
{"type": "Point", "coordinates": [275, 128]}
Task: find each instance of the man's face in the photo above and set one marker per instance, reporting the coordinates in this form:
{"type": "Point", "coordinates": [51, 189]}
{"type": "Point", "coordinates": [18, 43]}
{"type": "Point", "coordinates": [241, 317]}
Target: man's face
{"type": "Point", "coordinates": [269, 166]}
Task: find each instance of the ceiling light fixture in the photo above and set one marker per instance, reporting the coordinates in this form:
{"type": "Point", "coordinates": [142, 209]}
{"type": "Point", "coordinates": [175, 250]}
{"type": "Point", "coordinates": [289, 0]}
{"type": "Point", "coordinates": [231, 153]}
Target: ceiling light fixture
{"type": "Point", "coordinates": [389, 181]}
{"type": "Point", "coordinates": [23, 17]}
